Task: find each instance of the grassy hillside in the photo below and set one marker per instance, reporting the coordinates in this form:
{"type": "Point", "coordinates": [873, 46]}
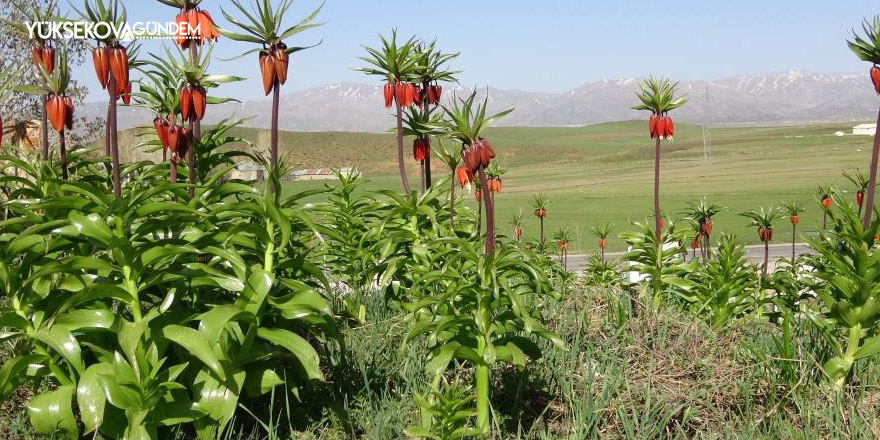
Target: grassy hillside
{"type": "Point", "coordinates": [604, 173]}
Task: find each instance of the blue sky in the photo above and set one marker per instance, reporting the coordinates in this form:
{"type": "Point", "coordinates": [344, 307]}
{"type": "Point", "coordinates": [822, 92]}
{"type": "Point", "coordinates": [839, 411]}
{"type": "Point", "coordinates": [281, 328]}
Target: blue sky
{"type": "Point", "coordinates": [554, 46]}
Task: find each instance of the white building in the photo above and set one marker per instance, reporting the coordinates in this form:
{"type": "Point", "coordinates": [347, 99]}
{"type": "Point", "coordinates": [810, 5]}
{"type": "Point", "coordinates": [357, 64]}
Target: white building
{"type": "Point", "coordinates": [865, 129]}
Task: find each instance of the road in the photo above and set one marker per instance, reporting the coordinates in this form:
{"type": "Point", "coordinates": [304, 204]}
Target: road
{"type": "Point", "coordinates": [755, 253]}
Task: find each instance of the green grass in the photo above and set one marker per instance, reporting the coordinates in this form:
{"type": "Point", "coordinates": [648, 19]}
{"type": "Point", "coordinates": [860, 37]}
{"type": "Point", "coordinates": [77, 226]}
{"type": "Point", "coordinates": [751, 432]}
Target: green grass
{"type": "Point", "coordinates": [604, 173]}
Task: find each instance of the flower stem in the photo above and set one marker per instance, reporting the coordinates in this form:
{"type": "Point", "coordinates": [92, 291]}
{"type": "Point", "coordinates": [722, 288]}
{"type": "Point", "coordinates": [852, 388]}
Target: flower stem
{"type": "Point", "coordinates": [114, 139]}
{"type": "Point", "coordinates": [872, 180]}
{"type": "Point", "coordinates": [400, 164]}
{"type": "Point", "coordinates": [658, 232]}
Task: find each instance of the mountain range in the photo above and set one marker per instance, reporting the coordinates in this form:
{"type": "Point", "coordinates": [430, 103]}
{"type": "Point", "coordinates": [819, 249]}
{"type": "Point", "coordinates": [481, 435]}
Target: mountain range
{"type": "Point", "coordinates": [774, 98]}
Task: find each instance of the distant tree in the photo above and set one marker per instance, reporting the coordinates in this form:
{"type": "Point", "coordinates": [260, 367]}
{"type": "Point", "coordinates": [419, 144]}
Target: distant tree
{"type": "Point", "coordinates": [15, 51]}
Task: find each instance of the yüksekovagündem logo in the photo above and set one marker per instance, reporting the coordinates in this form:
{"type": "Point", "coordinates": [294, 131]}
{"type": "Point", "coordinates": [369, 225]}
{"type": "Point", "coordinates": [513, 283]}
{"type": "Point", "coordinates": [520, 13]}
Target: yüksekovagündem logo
{"type": "Point", "coordinates": [87, 30]}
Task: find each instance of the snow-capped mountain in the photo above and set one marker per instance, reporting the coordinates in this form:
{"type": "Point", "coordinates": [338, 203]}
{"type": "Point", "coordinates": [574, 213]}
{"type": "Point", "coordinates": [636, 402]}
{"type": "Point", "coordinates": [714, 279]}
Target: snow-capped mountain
{"type": "Point", "coordinates": [775, 98]}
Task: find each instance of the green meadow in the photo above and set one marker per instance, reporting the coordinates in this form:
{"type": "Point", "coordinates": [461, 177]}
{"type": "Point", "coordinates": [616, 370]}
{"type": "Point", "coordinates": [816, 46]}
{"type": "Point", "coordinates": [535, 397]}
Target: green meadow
{"type": "Point", "coordinates": [604, 173]}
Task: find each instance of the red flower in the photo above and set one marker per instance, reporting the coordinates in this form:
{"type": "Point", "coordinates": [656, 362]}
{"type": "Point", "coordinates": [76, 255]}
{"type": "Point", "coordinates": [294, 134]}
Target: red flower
{"type": "Point", "coordinates": [860, 197]}
{"type": "Point", "coordinates": [465, 176]}
{"type": "Point", "coordinates": [267, 69]}
{"type": "Point", "coordinates": [282, 63]}
{"type": "Point", "coordinates": [517, 233]}
{"type": "Point", "coordinates": [795, 219]}
{"type": "Point", "coordinates": [400, 93]}
{"type": "Point", "coordinates": [826, 201]}
{"type": "Point", "coordinates": [603, 242]}
{"type": "Point", "coordinates": [200, 102]}
{"type": "Point", "coordinates": [186, 102]}
{"type": "Point", "coordinates": [119, 67]}
{"type": "Point", "coordinates": [68, 112]}
{"type": "Point", "coordinates": [101, 60]}
{"type": "Point", "coordinates": [48, 55]}
{"type": "Point", "coordinates": [57, 109]}
{"type": "Point", "coordinates": [388, 92]}
{"type": "Point", "coordinates": [706, 227]}
{"type": "Point", "coordinates": [875, 78]}
{"type": "Point", "coordinates": [160, 125]}
{"type": "Point", "coordinates": [421, 149]}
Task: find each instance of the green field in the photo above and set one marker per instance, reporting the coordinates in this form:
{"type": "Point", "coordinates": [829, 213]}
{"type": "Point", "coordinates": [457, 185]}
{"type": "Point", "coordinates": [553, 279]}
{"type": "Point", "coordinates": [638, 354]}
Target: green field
{"type": "Point", "coordinates": [604, 173]}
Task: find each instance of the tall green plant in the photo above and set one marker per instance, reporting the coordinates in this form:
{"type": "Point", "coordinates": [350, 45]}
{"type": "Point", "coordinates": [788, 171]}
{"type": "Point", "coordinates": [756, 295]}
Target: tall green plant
{"type": "Point", "coordinates": [724, 289]}
{"type": "Point", "coordinates": [464, 123]}
{"type": "Point", "coordinates": [539, 204]}
{"type": "Point", "coordinates": [479, 309]}
{"type": "Point", "coordinates": [702, 213]}
{"type": "Point", "coordinates": [849, 269]}
{"type": "Point", "coordinates": [263, 25]}
{"type": "Point", "coordinates": [763, 219]}
{"type": "Point", "coordinates": [794, 211]}
{"type": "Point", "coordinates": [145, 312]}
{"type": "Point", "coordinates": [860, 180]}
{"type": "Point", "coordinates": [431, 70]}
{"type": "Point", "coordinates": [563, 237]}
{"type": "Point", "coordinates": [659, 97]}
{"type": "Point", "coordinates": [867, 48]}
{"type": "Point", "coordinates": [666, 275]}
{"type": "Point", "coordinates": [396, 64]}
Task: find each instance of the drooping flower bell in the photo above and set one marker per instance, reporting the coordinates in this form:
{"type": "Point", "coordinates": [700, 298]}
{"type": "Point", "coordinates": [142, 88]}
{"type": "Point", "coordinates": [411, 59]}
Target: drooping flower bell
{"type": "Point", "coordinates": [388, 94]}
{"type": "Point", "coordinates": [274, 64]}
{"type": "Point", "coordinates": [875, 78]}
{"type": "Point", "coordinates": [44, 57]}
{"type": "Point", "coordinates": [477, 155]}
{"type": "Point", "coordinates": [706, 227]}
{"type": "Point", "coordinates": [119, 68]}
{"type": "Point", "coordinates": [434, 93]}
{"type": "Point", "coordinates": [101, 61]}
{"type": "Point", "coordinates": [860, 197]}
{"type": "Point", "coordinates": [59, 109]}
{"type": "Point", "coordinates": [795, 219]}
{"type": "Point", "coordinates": [193, 101]}
{"type": "Point", "coordinates": [465, 176]}
{"type": "Point", "coordinates": [421, 148]}
{"type": "Point", "coordinates": [827, 200]}
{"type": "Point", "coordinates": [661, 126]}
{"type": "Point", "coordinates": [494, 184]}
{"type": "Point", "coordinates": [194, 26]}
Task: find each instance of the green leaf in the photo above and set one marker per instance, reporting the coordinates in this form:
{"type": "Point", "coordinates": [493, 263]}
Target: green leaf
{"type": "Point", "coordinates": [62, 341]}
{"type": "Point", "coordinates": [13, 320]}
{"type": "Point", "coordinates": [12, 373]}
{"type": "Point", "coordinates": [260, 380]}
{"type": "Point", "coordinates": [255, 290]}
{"type": "Point", "coordinates": [51, 413]}
{"type": "Point", "coordinates": [301, 302]}
{"type": "Point", "coordinates": [197, 345]}
{"type": "Point", "coordinates": [91, 226]}
{"type": "Point", "coordinates": [296, 345]}
{"type": "Point", "coordinates": [217, 400]}
{"type": "Point", "coordinates": [869, 347]}
{"type": "Point", "coordinates": [90, 397]}
{"type": "Point", "coordinates": [87, 318]}
{"type": "Point", "coordinates": [212, 322]}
